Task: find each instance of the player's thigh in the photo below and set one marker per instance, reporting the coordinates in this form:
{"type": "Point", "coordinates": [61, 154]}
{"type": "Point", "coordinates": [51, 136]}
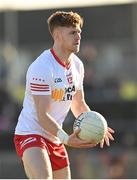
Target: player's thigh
{"type": "Point", "coordinates": [37, 163]}
{"type": "Point", "coordinates": [63, 173]}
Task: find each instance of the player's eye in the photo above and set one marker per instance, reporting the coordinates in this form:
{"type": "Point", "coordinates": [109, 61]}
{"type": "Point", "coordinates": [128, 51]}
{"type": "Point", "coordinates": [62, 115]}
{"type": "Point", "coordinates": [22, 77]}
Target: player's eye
{"type": "Point", "coordinates": [73, 32]}
{"type": "Point", "coordinates": [76, 32]}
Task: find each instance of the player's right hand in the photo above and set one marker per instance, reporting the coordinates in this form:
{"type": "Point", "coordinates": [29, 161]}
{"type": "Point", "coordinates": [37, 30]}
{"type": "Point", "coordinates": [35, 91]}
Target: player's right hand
{"type": "Point", "coordinates": [75, 141]}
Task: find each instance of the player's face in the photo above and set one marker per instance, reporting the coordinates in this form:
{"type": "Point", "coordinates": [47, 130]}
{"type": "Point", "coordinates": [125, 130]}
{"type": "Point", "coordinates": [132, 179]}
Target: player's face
{"type": "Point", "coordinates": [70, 38]}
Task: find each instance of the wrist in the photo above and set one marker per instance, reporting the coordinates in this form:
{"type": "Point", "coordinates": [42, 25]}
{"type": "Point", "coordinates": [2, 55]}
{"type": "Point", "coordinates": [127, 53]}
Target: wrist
{"type": "Point", "coordinates": [63, 136]}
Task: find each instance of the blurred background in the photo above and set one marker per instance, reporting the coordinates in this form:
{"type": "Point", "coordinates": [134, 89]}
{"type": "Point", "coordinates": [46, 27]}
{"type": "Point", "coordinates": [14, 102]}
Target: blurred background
{"type": "Point", "coordinates": [109, 53]}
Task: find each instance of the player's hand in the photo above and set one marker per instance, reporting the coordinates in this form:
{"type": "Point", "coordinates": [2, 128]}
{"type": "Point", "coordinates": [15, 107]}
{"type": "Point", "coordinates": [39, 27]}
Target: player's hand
{"type": "Point", "coordinates": [107, 137]}
{"type": "Point", "coordinates": [75, 141]}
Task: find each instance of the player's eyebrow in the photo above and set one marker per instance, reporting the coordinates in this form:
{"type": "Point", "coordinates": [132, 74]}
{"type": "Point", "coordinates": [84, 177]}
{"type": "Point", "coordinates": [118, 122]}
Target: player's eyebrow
{"type": "Point", "coordinates": [77, 30]}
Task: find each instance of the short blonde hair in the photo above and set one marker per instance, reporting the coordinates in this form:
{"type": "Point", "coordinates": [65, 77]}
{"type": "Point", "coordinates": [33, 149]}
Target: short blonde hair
{"type": "Point", "coordinates": [66, 19]}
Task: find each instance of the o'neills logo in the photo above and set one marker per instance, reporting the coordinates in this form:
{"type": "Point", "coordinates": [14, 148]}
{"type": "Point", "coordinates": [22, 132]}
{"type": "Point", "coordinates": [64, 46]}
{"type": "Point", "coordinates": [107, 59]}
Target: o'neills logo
{"type": "Point", "coordinates": [63, 94]}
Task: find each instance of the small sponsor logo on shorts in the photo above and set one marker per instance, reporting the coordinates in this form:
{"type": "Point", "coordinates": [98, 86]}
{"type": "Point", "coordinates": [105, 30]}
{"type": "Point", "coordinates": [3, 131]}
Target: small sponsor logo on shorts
{"type": "Point", "coordinates": [26, 141]}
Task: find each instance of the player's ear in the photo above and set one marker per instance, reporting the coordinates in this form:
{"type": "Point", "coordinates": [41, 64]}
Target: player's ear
{"type": "Point", "coordinates": [56, 34]}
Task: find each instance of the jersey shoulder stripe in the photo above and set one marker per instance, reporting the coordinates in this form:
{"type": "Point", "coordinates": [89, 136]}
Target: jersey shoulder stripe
{"type": "Point", "coordinates": [39, 87]}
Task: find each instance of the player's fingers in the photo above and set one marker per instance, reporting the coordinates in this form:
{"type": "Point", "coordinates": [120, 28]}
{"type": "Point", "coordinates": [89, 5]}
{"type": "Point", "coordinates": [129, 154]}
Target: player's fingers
{"type": "Point", "coordinates": [107, 141]}
{"type": "Point", "coordinates": [77, 131]}
{"type": "Point", "coordinates": [110, 130]}
{"type": "Point", "coordinates": [102, 143]}
{"type": "Point", "coordinates": [110, 136]}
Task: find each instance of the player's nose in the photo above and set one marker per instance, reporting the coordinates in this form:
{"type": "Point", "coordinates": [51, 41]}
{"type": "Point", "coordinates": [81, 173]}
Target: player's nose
{"type": "Point", "coordinates": [78, 36]}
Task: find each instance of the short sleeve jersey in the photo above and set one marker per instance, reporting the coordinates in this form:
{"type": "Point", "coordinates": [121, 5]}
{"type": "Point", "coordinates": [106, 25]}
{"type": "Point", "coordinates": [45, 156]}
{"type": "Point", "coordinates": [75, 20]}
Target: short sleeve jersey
{"type": "Point", "coordinates": [48, 76]}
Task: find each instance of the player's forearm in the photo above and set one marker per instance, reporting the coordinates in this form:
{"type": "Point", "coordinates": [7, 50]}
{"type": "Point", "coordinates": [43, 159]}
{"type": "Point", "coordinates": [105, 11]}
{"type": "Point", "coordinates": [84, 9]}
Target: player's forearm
{"type": "Point", "coordinates": [79, 108]}
{"type": "Point", "coordinates": [48, 123]}
{"type": "Point", "coordinates": [78, 104]}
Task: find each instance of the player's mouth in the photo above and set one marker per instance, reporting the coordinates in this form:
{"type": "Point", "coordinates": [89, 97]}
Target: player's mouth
{"type": "Point", "coordinates": [77, 44]}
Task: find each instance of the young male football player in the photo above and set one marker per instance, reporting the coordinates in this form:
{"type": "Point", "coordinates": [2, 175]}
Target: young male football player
{"type": "Point", "coordinates": [54, 84]}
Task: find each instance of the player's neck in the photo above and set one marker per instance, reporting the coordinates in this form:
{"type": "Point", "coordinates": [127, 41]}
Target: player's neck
{"type": "Point", "coordinates": [63, 55]}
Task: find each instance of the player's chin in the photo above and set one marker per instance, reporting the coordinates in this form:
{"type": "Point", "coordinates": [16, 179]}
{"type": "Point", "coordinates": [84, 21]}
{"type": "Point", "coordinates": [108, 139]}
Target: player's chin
{"type": "Point", "coordinates": [76, 50]}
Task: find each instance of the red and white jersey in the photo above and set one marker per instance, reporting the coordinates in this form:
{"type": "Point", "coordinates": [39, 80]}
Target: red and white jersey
{"type": "Point", "coordinates": [47, 75]}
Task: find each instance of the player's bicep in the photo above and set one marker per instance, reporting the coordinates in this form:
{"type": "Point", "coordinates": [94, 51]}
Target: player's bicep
{"type": "Point", "coordinates": [39, 80]}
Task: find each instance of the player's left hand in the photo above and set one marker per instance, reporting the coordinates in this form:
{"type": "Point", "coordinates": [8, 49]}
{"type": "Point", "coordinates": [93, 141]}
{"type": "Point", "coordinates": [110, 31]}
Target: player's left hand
{"type": "Point", "coordinates": [107, 137]}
